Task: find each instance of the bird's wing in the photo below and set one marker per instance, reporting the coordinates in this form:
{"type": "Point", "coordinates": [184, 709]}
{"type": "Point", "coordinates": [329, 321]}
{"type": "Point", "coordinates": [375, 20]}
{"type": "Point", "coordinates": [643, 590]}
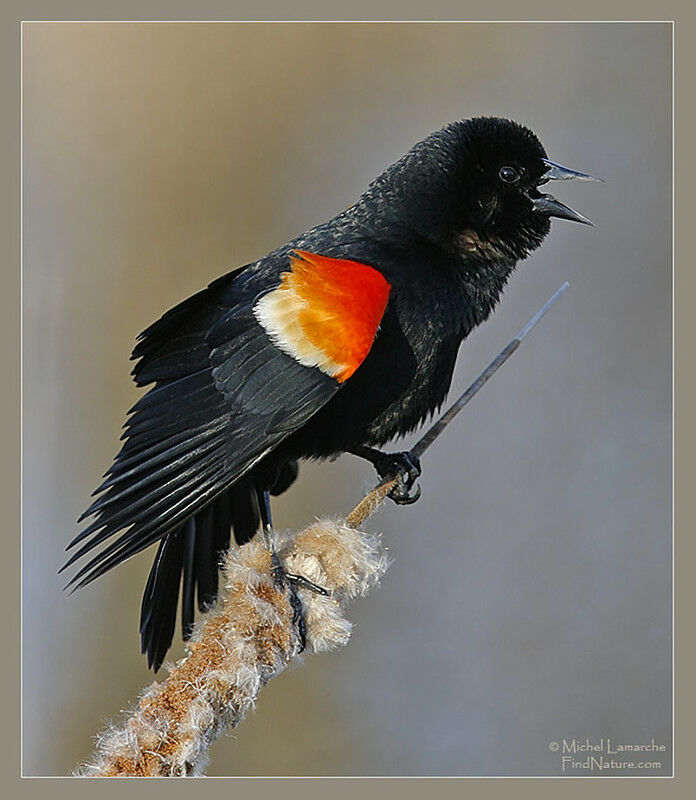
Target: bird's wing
{"type": "Point", "coordinates": [235, 371]}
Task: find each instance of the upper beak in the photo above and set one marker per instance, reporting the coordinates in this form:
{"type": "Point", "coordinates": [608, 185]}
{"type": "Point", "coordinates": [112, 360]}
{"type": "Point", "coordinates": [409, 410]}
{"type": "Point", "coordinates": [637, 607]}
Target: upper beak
{"type": "Point", "coordinates": [557, 172]}
{"type": "Point", "coordinates": [547, 204]}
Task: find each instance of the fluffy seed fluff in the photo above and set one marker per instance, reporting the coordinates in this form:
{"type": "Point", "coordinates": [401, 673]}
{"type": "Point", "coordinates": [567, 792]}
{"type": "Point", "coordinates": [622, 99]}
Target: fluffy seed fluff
{"type": "Point", "coordinates": [243, 641]}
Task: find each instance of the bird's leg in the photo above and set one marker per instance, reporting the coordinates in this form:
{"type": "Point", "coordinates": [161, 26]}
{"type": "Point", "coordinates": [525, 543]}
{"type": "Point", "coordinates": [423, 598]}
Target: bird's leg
{"type": "Point", "coordinates": [283, 578]}
{"type": "Point", "coordinates": [280, 577]}
{"type": "Point", "coordinates": [404, 466]}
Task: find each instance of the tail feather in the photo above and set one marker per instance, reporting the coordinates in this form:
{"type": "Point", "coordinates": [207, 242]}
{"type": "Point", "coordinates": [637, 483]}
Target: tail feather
{"type": "Point", "coordinates": [194, 551]}
{"type": "Point", "coordinates": [206, 561]}
{"type": "Point", "coordinates": [189, 587]}
{"type": "Point", "coordinates": [245, 511]}
{"type": "Point", "coordinates": [158, 614]}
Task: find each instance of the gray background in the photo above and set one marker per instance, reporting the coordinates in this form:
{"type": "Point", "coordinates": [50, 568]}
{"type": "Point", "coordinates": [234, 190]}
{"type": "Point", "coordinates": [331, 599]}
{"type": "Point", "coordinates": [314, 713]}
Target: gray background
{"type": "Point", "coordinates": [530, 595]}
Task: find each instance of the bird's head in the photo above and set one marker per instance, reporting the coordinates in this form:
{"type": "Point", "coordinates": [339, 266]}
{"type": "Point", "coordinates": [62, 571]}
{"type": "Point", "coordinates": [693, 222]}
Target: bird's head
{"type": "Point", "coordinates": [502, 168]}
{"type": "Point", "coordinates": [475, 186]}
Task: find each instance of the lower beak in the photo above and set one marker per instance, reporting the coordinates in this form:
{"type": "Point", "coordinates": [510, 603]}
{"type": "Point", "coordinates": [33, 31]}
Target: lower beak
{"type": "Point", "coordinates": [547, 204]}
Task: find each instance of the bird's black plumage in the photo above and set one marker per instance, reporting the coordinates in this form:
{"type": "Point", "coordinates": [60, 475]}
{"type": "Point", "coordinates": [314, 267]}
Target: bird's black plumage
{"type": "Point", "coordinates": [231, 406]}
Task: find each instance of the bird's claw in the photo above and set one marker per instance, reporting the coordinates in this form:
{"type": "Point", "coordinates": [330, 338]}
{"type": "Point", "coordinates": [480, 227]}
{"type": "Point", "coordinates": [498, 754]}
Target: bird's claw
{"type": "Point", "coordinates": [298, 619]}
{"type": "Point", "coordinates": [405, 467]}
{"type": "Point", "coordinates": [282, 579]}
{"type": "Point", "coordinates": [305, 583]}
{"type": "Point", "coordinates": [403, 497]}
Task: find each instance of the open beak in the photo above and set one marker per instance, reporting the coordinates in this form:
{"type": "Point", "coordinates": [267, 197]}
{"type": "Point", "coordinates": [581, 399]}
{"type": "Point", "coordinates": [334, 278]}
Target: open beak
{"type": "Point", "coordinates": [547, 204]}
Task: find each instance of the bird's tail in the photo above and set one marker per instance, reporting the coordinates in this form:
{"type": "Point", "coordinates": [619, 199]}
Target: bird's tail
{"type": "Point", "coordinates": [189, 559]}
{"type": "Point", "coordinates": [194, 551]}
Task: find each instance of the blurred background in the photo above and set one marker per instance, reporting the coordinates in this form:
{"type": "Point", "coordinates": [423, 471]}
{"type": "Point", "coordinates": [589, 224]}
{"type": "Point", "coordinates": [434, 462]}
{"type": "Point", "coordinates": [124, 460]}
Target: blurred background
{"type": "Point", "coordinates": [530, 597]}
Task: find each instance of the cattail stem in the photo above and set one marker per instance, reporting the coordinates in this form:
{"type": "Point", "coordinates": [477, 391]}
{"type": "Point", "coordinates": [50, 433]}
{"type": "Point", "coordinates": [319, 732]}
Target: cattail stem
{"type": "Point", "coordinates": [373, 499]}
{"type": "Point", "coordinates": [249, 636]}
{"type": "Point", "coordinates": [246, 639]}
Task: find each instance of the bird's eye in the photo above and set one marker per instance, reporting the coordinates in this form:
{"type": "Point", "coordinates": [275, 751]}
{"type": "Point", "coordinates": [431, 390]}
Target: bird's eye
{"type": "Point", "coordinates": [509, 175]}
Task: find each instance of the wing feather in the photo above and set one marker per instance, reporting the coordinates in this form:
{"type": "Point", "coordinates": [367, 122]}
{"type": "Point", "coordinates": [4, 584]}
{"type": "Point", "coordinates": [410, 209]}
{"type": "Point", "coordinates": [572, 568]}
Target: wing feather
{"type": "Point", "coordinates": [223, 395]}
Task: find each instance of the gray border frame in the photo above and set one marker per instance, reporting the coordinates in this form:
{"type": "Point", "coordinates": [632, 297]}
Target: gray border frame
{"type": "Point", "coordinates": [684, 384]}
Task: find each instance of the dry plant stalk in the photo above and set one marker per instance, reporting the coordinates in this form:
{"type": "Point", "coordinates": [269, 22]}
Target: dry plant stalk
{"type": "Point", "coordinates": [246, 639]}
{"type": "Point", "coordinates": [248, 636]}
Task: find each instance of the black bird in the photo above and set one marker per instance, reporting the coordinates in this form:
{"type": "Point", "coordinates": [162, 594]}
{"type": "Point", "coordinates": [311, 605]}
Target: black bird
{"type": "Point", "coordinates": [335, 342]}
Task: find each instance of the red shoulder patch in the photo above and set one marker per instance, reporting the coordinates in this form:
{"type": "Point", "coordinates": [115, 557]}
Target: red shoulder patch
{"type": "Point", "coordinates": [326, 312]}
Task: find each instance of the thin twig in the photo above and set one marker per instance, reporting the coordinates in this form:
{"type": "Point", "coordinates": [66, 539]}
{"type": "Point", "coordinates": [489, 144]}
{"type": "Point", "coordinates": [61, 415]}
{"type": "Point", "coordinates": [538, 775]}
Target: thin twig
{"type": "Point", "coordinates": [371, 502]}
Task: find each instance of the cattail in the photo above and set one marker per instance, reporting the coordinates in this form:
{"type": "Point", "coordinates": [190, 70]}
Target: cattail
{"type": "Point", "coordinates": [248, 637]}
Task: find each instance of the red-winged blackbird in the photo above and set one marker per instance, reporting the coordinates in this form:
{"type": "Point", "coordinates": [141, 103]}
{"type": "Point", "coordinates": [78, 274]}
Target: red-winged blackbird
{"type": "Point", "coordinates": [335, 342]}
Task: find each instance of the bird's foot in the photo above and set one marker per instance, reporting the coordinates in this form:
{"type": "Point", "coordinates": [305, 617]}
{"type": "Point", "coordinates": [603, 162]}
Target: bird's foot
{"type": "Point", "coordinates": [405, 467]}
{"type": "Point", "coordinates": [283, 579]}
